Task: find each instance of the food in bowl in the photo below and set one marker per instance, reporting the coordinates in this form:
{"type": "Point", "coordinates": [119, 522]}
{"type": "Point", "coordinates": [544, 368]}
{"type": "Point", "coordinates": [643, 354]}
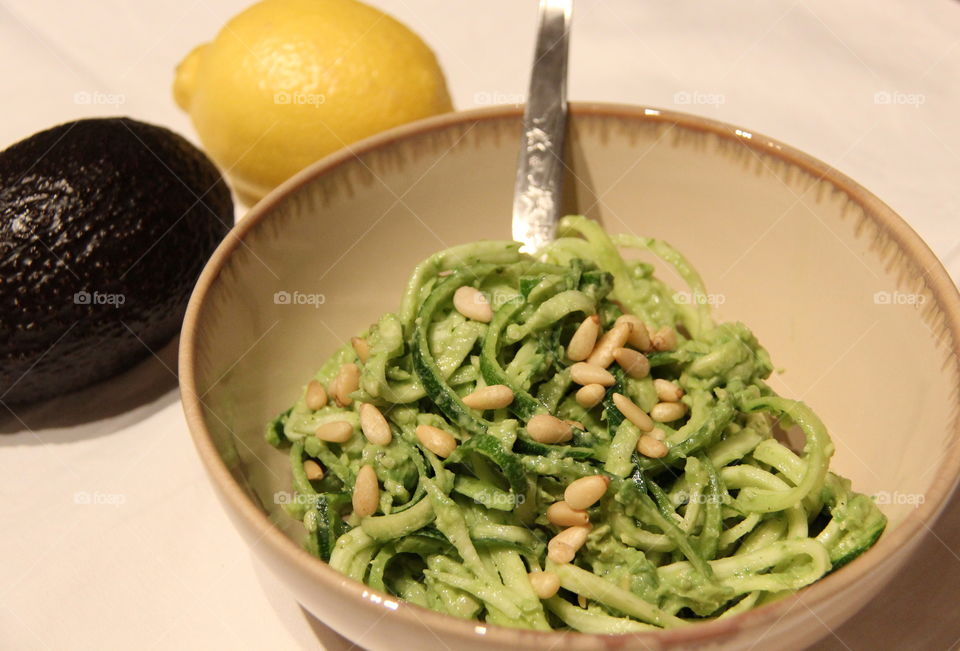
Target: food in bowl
{"type": "Point", "coordinates": [562, 442]}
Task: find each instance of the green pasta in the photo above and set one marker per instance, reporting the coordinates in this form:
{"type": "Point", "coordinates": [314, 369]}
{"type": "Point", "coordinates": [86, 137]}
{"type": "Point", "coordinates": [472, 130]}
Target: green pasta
{"type": "Point", "coordinates": [702, 514]}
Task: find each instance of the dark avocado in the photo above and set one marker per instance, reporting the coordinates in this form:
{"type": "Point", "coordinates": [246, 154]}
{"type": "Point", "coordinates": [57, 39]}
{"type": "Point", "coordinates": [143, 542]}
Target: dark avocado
{"type": "Point", "coordinates": [105, 225]}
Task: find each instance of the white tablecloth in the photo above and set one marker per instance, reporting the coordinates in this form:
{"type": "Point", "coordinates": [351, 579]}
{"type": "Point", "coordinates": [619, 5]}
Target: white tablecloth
{"type": "Point", "coordinates": [112, 538]}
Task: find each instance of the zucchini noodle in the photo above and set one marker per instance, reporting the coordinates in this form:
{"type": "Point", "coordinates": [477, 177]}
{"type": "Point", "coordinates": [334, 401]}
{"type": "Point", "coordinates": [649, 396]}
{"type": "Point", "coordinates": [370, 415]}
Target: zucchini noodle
{"type": "Point", "coordinates": [703, 517]}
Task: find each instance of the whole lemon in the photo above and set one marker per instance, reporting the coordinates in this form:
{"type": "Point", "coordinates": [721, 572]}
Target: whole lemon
{"type": "Point", "coordinates": [287, 82]}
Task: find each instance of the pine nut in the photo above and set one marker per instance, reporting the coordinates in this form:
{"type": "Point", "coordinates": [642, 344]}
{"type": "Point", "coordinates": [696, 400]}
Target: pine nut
{"type": "Point", "coordinates": [544, 584]}
{"type": "Point", "coordinates": [564, 546]}
{"type": "Point", "coordinates": [438, 441]}
{"type": "Point", "coordinates": [657, 433]}
{"type": "Point", "coordinates": [615, 338]}
{"type": "Point", "coordinates": [495, 396]}
{"type": "Point", "coordinates": [337, 431]}
{"type": "Point", "coordinates": [361, 348]}
{"type": "Point", "coordinates": [316, 396]}
{"type": "Point", "coordinates": [667, 412]}
{"type": "Point", "coordinates": [471, 303]}
{"type": "Point", "coordinates": [590, 395]}
{"type": "Point", "coordinates": [346, 382]}
{"type": "Point", "coordinates": [639, 337]}
{"type": "Point", "coordinates": [560, 552]}
{"type": "Point", "coordinates": [664, 339]}
{"type": "Point", "coordinates": [544, 428]}
{"type": "Point", "coordinates": [585, 373]}
{"type": "Point", "coordinates": [583, 340]}
{"type": "Point", "coordinates": [667, 391]}
{"type": "Point", "coordinates": [574, 536]}
{"type": "Point", "coordinates": [562, 514]}
{"type": "Point", "coordinates": [635, 364]}
{"type": "Point", "coordinates": [366, 492]}
{"type": "Point", "coordinates": [650, 446]}
{"type": "Point", "coordinates": [333, 388]}
{"type": "Point", "coordinates": [584, 492]}
{"type": "Point", "coordinates": [312, 469]}
{"type": "Point", "coordinates": [374, 426]}
{"type": "Point", "coordinates": [576, 423]}
{"type": "Point", "coordinates": [632, 412]}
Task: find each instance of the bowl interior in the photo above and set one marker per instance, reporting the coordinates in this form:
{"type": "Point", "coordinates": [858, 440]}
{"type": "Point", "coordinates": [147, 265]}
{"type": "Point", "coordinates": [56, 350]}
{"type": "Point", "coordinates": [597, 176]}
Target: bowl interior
{"type": "Point", "coordinates": [832, 284]}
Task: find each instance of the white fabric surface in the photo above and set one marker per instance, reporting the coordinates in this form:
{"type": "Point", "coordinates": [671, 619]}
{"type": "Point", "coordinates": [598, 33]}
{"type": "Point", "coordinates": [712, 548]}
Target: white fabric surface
{"type": "Point", "coordinates": [151, 561]}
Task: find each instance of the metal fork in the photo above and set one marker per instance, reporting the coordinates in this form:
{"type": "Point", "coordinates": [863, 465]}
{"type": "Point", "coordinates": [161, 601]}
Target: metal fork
{"type": "Point", "coordinates": [537, 193]}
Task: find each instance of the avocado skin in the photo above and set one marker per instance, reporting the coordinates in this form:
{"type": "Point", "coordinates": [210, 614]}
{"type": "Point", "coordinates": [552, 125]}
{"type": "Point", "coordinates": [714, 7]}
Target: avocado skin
{"type": "Point", "coordinates": [112, 207]}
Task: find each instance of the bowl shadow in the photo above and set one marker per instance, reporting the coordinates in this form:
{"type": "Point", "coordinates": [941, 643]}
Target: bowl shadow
{"type": "Point", "coordinates": [308, 631]}
{"type": "Point", "coordinates": [97, 410]}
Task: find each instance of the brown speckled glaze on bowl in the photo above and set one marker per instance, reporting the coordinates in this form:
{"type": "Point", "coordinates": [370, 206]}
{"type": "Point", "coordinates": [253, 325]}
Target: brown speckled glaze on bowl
{"type": "Point", "coordinates": [845, 296]}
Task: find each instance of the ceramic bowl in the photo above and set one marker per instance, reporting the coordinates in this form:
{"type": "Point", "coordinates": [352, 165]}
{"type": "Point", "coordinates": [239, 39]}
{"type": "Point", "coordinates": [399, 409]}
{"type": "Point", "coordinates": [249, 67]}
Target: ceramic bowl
{"type": "Point", "coordinates": [844, 295]}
